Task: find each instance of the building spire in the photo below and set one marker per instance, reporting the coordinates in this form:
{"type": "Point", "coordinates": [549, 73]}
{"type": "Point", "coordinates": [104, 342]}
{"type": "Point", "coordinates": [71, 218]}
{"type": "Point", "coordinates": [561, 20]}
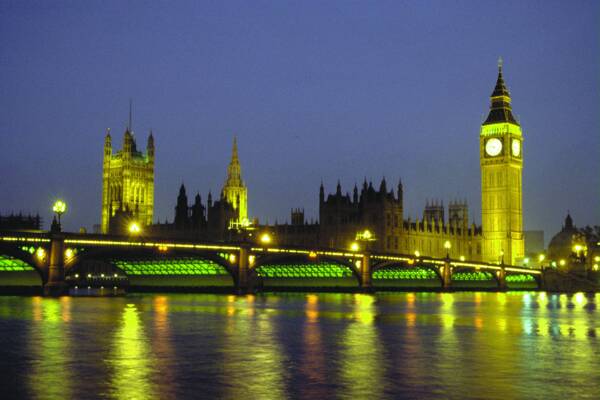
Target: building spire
{"type": "Point", "coordinates": [129, 126]}
{"type": "Point", "coordinates": [500, 108]}
{"type": "Point", "coordinates": [234, 170]}
{"type": "Point", "coordinates": [234, 151]}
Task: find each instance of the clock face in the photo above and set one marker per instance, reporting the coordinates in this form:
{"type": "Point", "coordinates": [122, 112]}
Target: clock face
{"type": "Point", "coordinates": [493, 147]}
{"type": "Point", "coordinates": [516, 147]}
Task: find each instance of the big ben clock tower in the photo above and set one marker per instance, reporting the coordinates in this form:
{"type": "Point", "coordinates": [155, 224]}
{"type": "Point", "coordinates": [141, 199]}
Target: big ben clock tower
{"type": "Point", "coordinates": [501, 159]}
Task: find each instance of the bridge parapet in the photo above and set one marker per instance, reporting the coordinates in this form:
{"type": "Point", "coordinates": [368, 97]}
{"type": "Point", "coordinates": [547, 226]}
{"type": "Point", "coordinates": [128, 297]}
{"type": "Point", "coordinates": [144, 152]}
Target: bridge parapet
{"type": "Point", "coordinates": [247, 256]}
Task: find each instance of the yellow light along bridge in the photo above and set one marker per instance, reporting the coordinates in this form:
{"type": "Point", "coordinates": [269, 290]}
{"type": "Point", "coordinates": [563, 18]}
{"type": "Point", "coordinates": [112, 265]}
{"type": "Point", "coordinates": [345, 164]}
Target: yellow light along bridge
{"type": "Point", "coordinates": [77, 262]}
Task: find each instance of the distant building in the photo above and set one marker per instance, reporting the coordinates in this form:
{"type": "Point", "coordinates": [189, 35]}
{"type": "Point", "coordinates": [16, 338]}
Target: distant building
{"type": "Point", "coordinates": [20, 221]}
{"type": "Point", "coordinates": [127, 184]}
{"type": "Point", "coordinates": [534, 243]}
{"type": "Point", "coordinates": [217, 220]}
{"type": "Point", "coordinates": [381, 211]}
{"type": "Point", "coordinates": [500, 238]}
{"type": "Point", "coordinates": [234, 191]}
{"type": "Point", "coordinates": [572, 241]}
{"type": "Point", "coordinates": [501, 159]}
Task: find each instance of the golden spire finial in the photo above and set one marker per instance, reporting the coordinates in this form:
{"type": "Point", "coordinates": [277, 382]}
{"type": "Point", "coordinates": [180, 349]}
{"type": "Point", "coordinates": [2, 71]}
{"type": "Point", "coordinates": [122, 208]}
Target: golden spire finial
{"type": "Point", "coordinates": [500, 62]}
{"type": "Point", "coordinates": [234, 152]}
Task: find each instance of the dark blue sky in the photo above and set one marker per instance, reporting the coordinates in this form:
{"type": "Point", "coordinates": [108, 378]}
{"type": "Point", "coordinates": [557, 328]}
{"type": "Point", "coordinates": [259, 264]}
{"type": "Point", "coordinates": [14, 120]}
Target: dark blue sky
{"type": "Point", "coordinates": [313, 90]}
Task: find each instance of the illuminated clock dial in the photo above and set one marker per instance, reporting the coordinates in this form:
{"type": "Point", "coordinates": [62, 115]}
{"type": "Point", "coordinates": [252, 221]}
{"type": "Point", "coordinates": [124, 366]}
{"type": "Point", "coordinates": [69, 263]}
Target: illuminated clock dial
{"type": "Point", "coordinates": [516, 147]}
{"type": "Point", "coordinates": [493, 147]}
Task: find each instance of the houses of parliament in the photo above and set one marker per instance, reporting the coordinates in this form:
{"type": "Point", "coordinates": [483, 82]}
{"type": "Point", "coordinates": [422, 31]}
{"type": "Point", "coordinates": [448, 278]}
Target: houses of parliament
{"type": "Point", "coordinates": [128, 194]}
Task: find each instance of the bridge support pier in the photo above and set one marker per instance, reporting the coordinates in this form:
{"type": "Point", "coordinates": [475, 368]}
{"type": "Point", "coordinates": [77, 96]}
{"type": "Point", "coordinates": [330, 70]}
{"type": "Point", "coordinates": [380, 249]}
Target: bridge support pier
{"type": "Point", "coordinates": [502, 278]}
{"type": "Point", "coordinates": [447, 275]}
{"type": "Point", "coordinates": [56, 285]}
{"type": "Point", "coordinates": [242, 270]}
{"type": "Point", "coordinates": [365, 272]}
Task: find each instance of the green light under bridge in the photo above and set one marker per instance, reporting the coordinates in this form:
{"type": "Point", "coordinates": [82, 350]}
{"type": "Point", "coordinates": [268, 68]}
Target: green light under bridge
{"type": "Point", "coordinates": [304, 270]}
{"type": "Point", "coordinates": [405, 274]}
{"type": "Point", "coordinates": [179, 266]}
{"type": "Point", "coordinates": [11, 264]}
{"type": "Point", "coordinates": [519, 278]}
{"type": "Point", "coordinates": [472, 276]}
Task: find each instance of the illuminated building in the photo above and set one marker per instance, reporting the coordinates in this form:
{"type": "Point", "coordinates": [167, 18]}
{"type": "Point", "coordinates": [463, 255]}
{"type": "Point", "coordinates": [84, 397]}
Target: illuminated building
{"type": "Point", "coordinates": [564, 245]}
{"type": "Point", "coordinates": [215, 220]}
{"type": "Point", "coordinates": [127, 183]}
{"type": "Point", "coordinates": [381, 211]}
{"type": "Point", "coordinates": [234, 191]}
{"type": "Point", "coordinates": [501, 159]}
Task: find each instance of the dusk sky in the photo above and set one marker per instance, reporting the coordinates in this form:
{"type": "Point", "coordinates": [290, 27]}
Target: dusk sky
{"type": "Point", "coordinates": [313, 91]}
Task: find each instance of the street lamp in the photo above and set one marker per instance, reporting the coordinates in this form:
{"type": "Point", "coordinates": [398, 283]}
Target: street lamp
{"type": "Point", "coordinates": [265, 239]}
{"type": "Point", "coordinates": [354, 247]}
{"type": "Point", "coordinates": [59, 207]}
{"type": "Point", "coordinates": [447, 246]}
{"type": "Point", "coordinates": [365, 236]}
{"type": "Point", "coordinates": [134, 228]}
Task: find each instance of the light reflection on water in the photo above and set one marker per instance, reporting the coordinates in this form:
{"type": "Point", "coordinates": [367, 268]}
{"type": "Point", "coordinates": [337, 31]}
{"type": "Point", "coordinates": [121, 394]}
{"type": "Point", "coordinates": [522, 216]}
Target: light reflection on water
{"type": "Point", "coordinates": [416, 345]}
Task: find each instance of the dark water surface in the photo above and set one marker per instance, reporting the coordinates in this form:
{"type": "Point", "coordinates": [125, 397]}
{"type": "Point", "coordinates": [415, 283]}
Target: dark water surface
{"type": "Point", "coordinates": [310, 346]}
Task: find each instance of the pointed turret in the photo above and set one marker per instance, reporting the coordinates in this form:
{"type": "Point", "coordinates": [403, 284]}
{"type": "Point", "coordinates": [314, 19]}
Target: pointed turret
{"type": "Point", "coordinates": [568, 222]}
{"type": "Point", "coordinates": [107, 144]}
{"type": "Point", "coordinates": [127, 142]}
{"type": "Point", "coordinates": [150, 146]}
{"type": "Point", "coordinates": [181, 209]}
{"type": "Point", "coordinates": [355, 194]}
{"type": "Point", "coordinates": [500, 108]}
{"type": "Point", "coordinates": [321, 193]}
{"type": "Point", "coordinates": [338, 189]}
{"type": "Point", "coordinates": [383, 186]}
{"type": "Point", "coordinates": [234, 190]}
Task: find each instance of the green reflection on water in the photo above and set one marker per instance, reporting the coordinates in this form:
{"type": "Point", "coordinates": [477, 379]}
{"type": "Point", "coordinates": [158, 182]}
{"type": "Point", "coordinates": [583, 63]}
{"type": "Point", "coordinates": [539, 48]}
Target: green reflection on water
{"type": "Point", "coordinates": [131, 358]}
{"type": "Point", "coordinates": [50, 342]}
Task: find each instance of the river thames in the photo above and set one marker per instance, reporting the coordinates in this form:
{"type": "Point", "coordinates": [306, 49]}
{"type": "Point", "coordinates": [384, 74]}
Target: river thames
{"type": "Point", "coordinates": [307, 346]}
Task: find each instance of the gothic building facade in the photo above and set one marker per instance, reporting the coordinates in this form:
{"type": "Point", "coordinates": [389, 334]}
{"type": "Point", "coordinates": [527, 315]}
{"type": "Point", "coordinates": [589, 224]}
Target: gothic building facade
{"type": "Point", "coordinates": [501, 159]}
{"type": "Point", "coordinates": [218, 219]}
{"type": "Point", "coordinates": [498, 239]}
{"type": "Point", "coordinates": [342, 216]}
{"type": "Point", "coordinates": [127, 184]}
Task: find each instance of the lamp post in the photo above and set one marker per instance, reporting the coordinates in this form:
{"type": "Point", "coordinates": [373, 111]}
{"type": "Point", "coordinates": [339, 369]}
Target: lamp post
{"type": "Point", "coordinates": [446, 269]}
{"type": "Point", "coordinates": [134, 228]}
{"type": "Point", "coordinates": [447, 246]}
{"type": "Point", "coordinates": [365, 236]}
{"type": "Point", "coordinates": [59, 208]}
{"type": "Point", "coordinates": [266, 239]}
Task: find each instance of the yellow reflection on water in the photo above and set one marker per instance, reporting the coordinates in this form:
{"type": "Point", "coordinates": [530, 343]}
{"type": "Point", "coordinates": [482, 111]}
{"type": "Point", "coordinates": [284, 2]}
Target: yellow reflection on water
{"type": "Point", "coordinates": [252, 363]}
{"type": "Point", "coordinates": [131, 360]}
{"type": "Point", "coordinates": [49, 342]}
{"type": "Point", "coordinates": [362, 368]}
{"type": "Point", "coordinates": [312, 362]}
{"type": "Point", "coordinates": [163, 348]}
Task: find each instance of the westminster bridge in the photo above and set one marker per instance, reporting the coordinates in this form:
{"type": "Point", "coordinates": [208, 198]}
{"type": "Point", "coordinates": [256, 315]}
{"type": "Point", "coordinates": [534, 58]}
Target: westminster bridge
{"type": "Point", "coordinates": [69, 261]}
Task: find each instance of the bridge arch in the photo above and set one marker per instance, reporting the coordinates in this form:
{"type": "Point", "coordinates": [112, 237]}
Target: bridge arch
{"type": "Point", "coordinates": [149, 268]}
{"type": "Point", "coordinates": [401, 275]}
{"type": "Point", "coordinates": [298, 272]}
{"type": "Point", "coordinates": [20, 269]}
{"type": "Point", "coordinates": [474, 278]}
{"type": "Point", "coordinates": [523, 281]}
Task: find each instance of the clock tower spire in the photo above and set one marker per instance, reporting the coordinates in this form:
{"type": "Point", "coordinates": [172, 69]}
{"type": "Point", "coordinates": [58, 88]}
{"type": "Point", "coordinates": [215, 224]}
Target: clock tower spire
{"type": "Point", "coordinates": [501, 162]}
